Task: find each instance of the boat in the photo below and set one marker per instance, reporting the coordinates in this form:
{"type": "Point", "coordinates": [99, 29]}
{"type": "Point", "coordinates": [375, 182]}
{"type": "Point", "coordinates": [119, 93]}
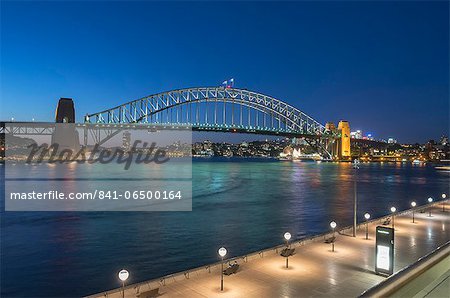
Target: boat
{"type": "Point", "coordinates": [443, 168]}
{"type": "Point", "coordinates": [417, 162]}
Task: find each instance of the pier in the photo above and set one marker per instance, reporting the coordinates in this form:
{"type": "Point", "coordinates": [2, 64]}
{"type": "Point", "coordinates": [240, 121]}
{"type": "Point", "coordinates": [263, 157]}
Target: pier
{"type": "Point", "coordinates": [314, 269]}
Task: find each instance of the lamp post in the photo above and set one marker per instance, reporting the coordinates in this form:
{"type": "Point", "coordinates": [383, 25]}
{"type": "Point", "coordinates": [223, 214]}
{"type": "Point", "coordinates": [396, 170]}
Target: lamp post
{"type": "Point", "coordinates": [355, 198]}
{"type": "Point", "coordinates": [393, 209]}
{"type": "Point", "coordinates": [333, 226]}
{"type": "Point", "coordinates": [443, 202]}
{"type": "Point", "coordinates": [413, 204]}
{"type": "Point", "coordinates": [430, 200]}
{"type": "Point", "coordinates": [367, 216]}
{"type": "Point", "coordinates": [222, 253]}
{"type": "Point", "coordinates": [123, 276]}
{"type": "Point", "coordinates": [287, 236]}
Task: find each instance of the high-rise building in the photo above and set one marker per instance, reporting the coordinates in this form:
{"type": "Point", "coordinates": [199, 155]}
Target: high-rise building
{"type": "Point", "coordinates": [392, 141]}
{"type": "Point", "coordinates": [356, 134]}
{"type": "Point", "coordinates": [344, 146]}
{"type": "Point", "coordinates": [126, 140]}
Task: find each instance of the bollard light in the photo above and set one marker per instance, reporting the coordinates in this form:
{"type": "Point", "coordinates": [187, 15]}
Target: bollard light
{"type": "Point", "coordinates": [287, 236]}
{"type": "Point", "coordinates": [413, 204]}
{"type": "Point", "coordinates": [222, 254]}
{"type": "Point", "coordinates": [123, 276]}
{"type": "Point", "coordinates": [333, 226]}
{"type": "Point", "coordinates": [430, 200]}
{"type": "Point", "coordinates": [367, 217]}
{"type": "Point", "coordinates": [443, 196]}
{"type": "Point", "coordinates": [393, 209]}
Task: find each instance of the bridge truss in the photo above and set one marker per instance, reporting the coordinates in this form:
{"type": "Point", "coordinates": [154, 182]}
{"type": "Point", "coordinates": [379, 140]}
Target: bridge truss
{"type": "Point", "coordinates": [214, 108]}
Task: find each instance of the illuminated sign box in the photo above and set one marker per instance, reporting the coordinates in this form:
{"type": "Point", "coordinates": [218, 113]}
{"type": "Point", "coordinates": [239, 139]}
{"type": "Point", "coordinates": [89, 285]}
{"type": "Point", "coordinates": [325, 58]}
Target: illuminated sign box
{"type": "Point", "coordinates": [384, 251]}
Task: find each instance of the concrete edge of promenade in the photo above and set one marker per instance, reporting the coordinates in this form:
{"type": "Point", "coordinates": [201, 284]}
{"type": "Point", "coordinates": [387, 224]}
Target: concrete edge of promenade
{"type": "Point", "coordinates": [207, 269]}
{"type": "Point", "coordinates": [393, 283]}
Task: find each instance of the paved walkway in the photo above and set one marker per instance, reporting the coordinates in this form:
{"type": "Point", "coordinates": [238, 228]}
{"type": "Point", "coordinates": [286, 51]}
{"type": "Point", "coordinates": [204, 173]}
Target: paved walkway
{"type": "Point", "coordinates": [314, 270]}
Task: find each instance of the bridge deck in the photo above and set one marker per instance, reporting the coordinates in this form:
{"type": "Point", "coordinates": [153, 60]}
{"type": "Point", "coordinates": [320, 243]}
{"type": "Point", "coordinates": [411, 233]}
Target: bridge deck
{"type": "Point", "coordinates": [314, 270]}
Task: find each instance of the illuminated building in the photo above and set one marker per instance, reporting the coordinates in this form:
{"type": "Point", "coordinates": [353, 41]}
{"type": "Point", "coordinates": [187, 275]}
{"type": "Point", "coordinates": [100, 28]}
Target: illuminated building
{"type": "Point", "coordinates": [392, 141]}
{"type": "Point", "coordinates": [356, 134]}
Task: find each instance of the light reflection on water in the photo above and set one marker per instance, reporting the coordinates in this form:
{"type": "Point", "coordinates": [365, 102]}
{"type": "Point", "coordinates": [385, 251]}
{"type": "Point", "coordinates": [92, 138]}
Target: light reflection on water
{"type": "Point", "coordinates": [245, 205]}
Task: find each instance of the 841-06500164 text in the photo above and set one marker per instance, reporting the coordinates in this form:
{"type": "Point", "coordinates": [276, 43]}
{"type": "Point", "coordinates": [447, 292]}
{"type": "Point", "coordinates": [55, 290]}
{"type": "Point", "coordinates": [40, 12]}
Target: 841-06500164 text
{"type": "Point", "coordinates": [99, 195]}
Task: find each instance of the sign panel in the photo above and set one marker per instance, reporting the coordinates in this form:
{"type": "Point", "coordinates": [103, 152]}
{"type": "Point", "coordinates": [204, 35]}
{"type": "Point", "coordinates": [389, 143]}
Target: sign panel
{"type": "Point", "coordinates": [384, 251]}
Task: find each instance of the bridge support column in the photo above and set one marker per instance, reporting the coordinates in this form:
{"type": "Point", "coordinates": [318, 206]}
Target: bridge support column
{"type": "Point", "coordinates": [344, 141]}
{"type": "Point", "coordinates": [65, 135]}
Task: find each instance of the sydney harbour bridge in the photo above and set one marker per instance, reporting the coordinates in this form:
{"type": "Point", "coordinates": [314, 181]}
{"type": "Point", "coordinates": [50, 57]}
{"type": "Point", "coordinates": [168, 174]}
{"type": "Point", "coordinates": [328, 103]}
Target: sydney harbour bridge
{"type": "Point", "coordinates": [209, 109]}
{"type": "Point", "coordinates": [214, 108]}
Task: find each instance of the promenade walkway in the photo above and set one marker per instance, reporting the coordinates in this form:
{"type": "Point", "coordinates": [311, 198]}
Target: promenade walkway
{"type": "Point", "coordinates": [314, 270]}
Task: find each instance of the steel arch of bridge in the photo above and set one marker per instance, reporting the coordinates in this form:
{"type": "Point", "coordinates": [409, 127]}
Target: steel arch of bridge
{"type": "Point", "coordinates": [283, 118]}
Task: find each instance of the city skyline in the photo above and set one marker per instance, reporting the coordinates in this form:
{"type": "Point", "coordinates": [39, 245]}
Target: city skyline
{"type": "Point", "coordinates": [382, 66]}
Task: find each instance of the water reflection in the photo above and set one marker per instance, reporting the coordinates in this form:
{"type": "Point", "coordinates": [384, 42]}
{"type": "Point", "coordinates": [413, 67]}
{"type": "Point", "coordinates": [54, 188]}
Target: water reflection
{"type": "Point", "coordinates": [245, 204]}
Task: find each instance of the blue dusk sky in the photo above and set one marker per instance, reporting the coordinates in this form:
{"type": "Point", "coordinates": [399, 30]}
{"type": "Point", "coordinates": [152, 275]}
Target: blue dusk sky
{"type": "Point", "coordinates": [383, 66]}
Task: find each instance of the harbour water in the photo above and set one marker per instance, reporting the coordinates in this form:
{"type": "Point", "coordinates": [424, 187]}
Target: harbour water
{"type": "Point", "coordinates": [243, 204]}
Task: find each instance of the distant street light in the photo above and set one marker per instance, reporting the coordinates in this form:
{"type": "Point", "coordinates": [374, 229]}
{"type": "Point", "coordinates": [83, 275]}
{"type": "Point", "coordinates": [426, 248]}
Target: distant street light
{"type": "Point", "coordinates": [222, 253]}
{"type": "Point", "coordinates": [430, 200]}
{"type": "Point", "coordinates": [123, 276]}
{"type": "Point", "coordinates": [413, 204]}
{"type": "Point", "coordinates": [333, 226]}
{"type": "Point", "coordinates": [393, 209]}
{"type": "Point", "coordinates": [287, 236]}
{"type": "Point", "coordinates": [443, 202]}
{"type": "Point", "coordinates": [355, 198]}
{"type": "Point", "coordinates": [367, 216]}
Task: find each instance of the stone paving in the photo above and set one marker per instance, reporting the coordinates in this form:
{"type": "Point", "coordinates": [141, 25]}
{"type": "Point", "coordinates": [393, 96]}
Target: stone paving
{"type": "Point", "coordinates": [314, 271]}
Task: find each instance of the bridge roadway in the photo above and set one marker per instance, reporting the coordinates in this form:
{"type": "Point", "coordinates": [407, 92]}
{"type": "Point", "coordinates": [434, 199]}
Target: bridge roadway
{"type": "Point", "coordinates": [46, 128]}
{"type": "Point", "coordinates": [314, 270]}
